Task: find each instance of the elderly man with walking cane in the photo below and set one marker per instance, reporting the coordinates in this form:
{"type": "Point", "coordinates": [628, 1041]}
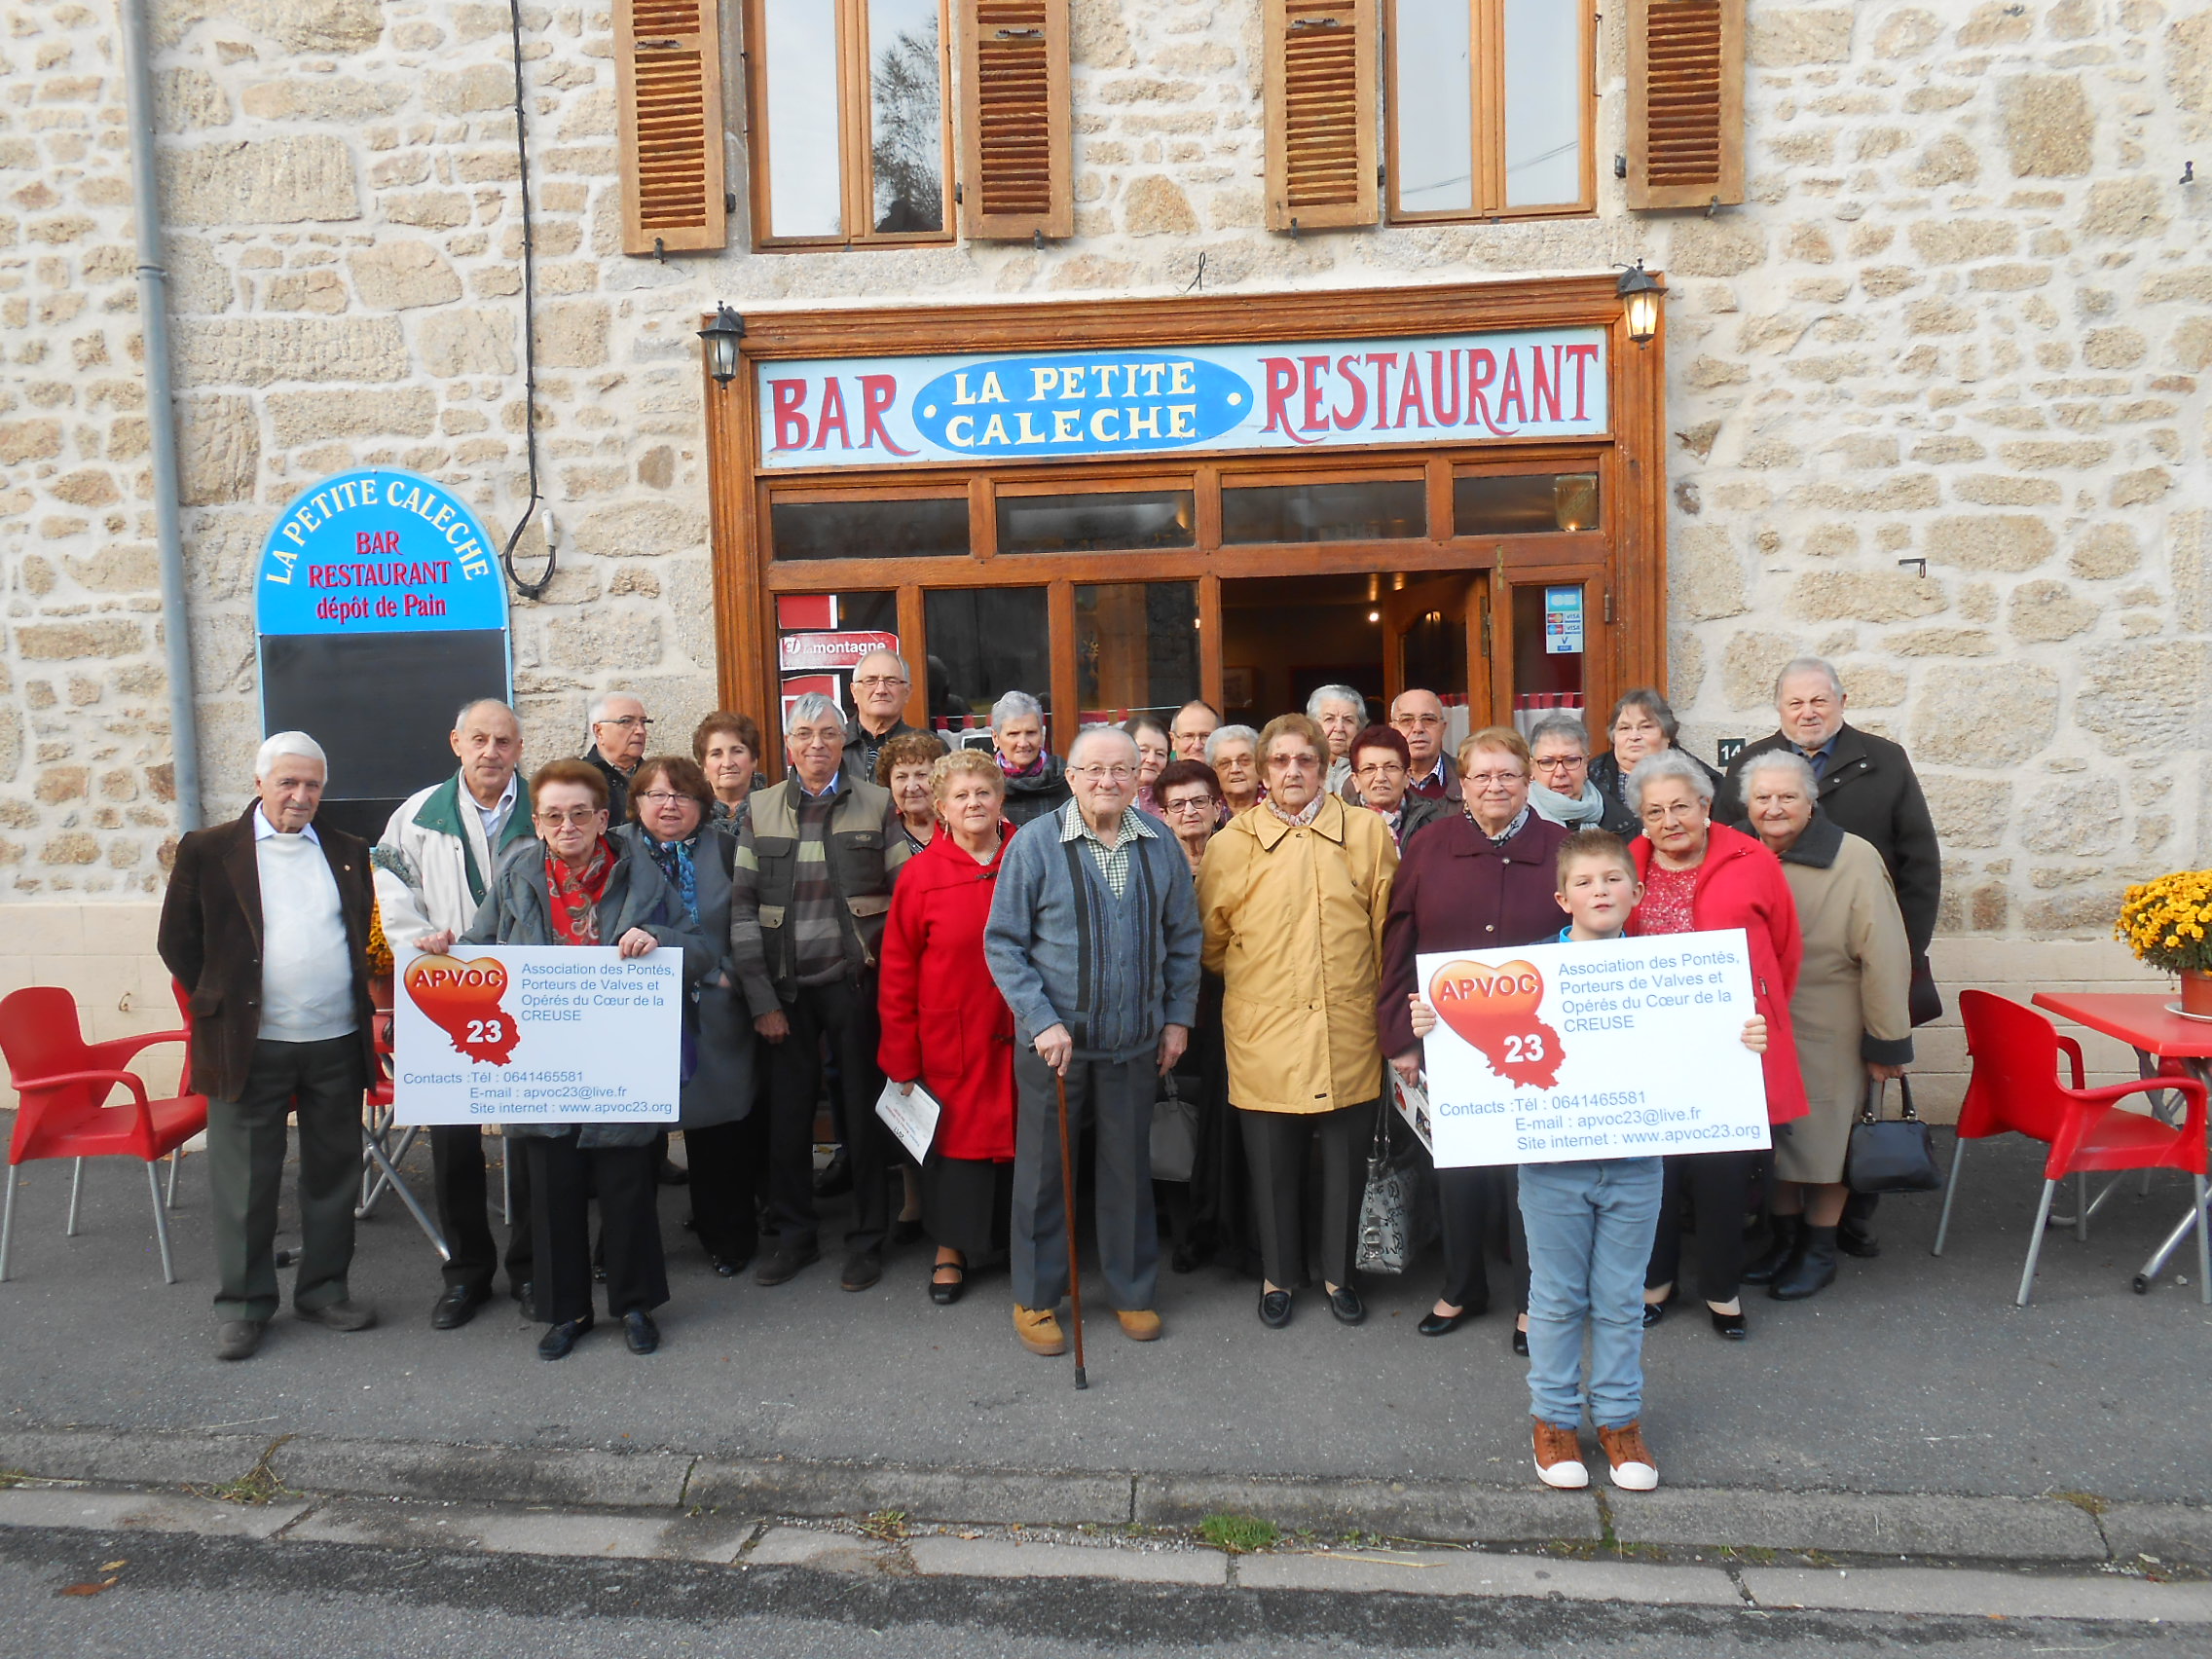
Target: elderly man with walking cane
{"type": "Point", "coordinates": [1093, 940]}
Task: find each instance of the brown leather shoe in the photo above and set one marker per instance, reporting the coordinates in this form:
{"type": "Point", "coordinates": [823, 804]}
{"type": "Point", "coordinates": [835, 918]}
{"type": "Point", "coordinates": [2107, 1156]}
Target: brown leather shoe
{"type": "Point", "coordinates": [1039, 1331]}
{"type": "Point", "coordinates": [1559, 1457]}
{"type": "Point", "coordinates": [1633, 1467]}
{"type": "Point", "coordinates": [1139, 1324]}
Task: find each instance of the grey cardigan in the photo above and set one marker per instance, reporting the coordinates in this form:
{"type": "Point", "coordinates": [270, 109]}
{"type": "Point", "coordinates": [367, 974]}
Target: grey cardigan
{"type": "Point", "coordinates": [719, 1088]}
{"type": "Point", "coordinates": [518, 910]}
{"type": "Point", "coordinates": [1138, 962]}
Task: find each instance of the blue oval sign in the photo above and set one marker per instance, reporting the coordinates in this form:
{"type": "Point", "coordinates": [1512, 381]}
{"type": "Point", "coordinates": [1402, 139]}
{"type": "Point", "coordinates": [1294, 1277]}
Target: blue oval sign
{"type": "Point", "coordinates": [1081, 404]}
{"type": "Point", "coordinates": [378, 552]}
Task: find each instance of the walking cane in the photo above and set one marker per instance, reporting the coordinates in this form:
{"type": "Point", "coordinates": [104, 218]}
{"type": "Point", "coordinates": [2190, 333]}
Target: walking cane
{"type": "Point", "coordinates": [1067, 1192]}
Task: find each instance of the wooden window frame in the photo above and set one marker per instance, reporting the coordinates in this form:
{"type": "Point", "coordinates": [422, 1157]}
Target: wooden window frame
{"type": "Point", "coordinates": [855, 118]}
{"type": "Point", "coordinates": [1622, 562]}
{"type": "Point", "coordinates": [1489, 130]}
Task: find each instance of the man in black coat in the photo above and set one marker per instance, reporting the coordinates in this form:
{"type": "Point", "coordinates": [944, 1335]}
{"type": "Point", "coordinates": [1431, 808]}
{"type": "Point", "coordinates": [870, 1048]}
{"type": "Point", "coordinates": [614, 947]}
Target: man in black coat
{"type": "Point", "coordinates": [266, 926]}
{"type": "Point", "coordinates": [1867, 786]}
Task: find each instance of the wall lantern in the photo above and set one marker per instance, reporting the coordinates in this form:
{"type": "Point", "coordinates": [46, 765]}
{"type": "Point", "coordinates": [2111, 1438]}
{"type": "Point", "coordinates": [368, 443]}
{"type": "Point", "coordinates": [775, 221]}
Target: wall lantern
{"type": "Point", "coordinates": [721, 337]}
{"type": "Point", "coordinates": [1641, 295]}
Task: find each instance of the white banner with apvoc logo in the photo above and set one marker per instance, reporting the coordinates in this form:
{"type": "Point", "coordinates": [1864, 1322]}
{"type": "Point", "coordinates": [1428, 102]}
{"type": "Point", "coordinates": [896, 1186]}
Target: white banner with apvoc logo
{"type": "Point", "coordinates": [1066, 405]}
{"type": "Point", "coordinates": [1628, 1048]}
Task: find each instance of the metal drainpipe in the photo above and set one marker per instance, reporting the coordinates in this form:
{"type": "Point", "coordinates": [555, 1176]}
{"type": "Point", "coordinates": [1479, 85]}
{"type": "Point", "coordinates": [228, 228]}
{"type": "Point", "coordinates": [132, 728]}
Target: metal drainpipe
{"type": "Point", "coordinates": [161, 410]}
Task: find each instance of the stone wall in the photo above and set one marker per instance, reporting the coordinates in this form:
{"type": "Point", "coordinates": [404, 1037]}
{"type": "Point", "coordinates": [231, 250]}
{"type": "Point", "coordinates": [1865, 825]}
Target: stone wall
{"type": "Point", "coordinates": [1962, 318]}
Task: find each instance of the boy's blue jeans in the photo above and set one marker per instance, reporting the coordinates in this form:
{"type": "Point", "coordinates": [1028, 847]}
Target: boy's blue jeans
{"type": "Point", "coordinates": [1590, 1230]}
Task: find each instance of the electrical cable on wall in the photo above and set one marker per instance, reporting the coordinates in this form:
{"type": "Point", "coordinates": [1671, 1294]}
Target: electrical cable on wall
{"type": "Point", "coordinates": [536, 589]}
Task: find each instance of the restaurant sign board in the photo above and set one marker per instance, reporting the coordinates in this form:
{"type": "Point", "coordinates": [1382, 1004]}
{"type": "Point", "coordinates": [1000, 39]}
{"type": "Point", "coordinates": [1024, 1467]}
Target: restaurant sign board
{"type": "Point", "coordinates": [1070, 405]}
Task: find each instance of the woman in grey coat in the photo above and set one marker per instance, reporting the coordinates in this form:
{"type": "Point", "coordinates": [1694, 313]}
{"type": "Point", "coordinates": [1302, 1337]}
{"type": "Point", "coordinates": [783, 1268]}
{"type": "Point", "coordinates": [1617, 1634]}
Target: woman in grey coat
{"type": "Point", "coordinates": [670, 799]}
{"type": "Point", "coordinates": [575, 886]}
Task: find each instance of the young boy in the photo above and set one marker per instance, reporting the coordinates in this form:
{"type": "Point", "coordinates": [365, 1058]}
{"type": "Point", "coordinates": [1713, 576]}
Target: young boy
{"type": "Point", "coordinates": [1590, 1227]}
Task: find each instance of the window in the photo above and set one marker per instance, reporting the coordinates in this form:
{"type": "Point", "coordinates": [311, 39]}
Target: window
{"type": "Point", "coordinates": [1375, 509]}
{"type": "Point", "coordinates": [1490, 108]}
{"type": "Point", "coordinates": [983, 642]}
{"type": "Point", "coordinates": [849, 136]}
{"type": "Point", "coordinates": [1523, 503]}
{"type": "Point", "coordinates": [910, 527]}
{"type": "Point", "coordinates": [1136, 648]}
{"type": "Point", "coordinates": [1095, 520]}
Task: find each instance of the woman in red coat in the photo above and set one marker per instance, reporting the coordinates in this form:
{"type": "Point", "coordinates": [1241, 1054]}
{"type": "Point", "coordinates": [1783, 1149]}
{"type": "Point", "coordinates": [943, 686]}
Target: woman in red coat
{"type": "Point", "coordinates": [944, 1024]}
{"type": "Point", "coordinates": [1700, 877]}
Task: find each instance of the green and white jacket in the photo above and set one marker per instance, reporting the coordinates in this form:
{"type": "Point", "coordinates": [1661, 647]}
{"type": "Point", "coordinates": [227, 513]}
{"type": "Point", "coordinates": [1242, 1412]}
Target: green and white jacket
{"type": "Point", "coordinates": [433, 865]}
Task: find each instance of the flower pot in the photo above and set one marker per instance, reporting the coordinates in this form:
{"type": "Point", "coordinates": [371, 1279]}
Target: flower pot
{"type": "Point", "coordinates": [2196, 993]}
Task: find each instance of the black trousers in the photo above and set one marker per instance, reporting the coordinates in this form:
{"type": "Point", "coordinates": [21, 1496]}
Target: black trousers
{"type": "Point", "coordinates": [967, 1204]}
{"type": "Point", "coordinates": [842, 1015]}
{"type": "Point", "coordinates": [726, 1161]}
{"type": "Point", "coordinates": [1275, 1147]}
{"type": "Point", "coordinates": [1718, 1184]}
{"type": "Point", "coordinates": [462, 1190]}
{"type": "Point", "coordinates": [565, 1177]}
{"type": "Point", "coordinates": [1477, 1210]}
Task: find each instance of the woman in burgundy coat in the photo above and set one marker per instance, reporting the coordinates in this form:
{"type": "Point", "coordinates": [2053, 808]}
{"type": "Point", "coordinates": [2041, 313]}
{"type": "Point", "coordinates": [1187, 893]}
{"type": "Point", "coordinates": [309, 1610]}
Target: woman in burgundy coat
{"type": "Point", "coordinates": [1700, 877]}
{"type": "Point", "coordinates": [1472, 880]}
{"type": "Point", "coordinates": [944, 1024]}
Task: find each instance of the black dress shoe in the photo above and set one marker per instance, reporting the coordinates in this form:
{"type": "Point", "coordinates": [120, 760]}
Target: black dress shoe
{"type": "Point", "coordinates": [784, 1265]}
{"type": "Point", "coordinates": [863, 1268]}
{"type": "Point", "coordinates": [557, 1342]}
{"type": "Point", "coordinates": [1345, 1304]}
{"type": "Point", "coordinates": [1435, 1324]}
{"type": "Point", "coordinates": [639, 1331]}
{"type": "Point", "coordinates": [1788, 1231]}
{"type": "Point", "coordinates": [944, 1293]}
{"type": "Point", "coordinates": [1521, 1342]}
{"type": "Point", "coordinates": [1854, 1238]}
{"type": "Point", "coordinates": [1275, 1309]}
{"type": "Point", "coordinates": [1654, 1312]}
{"type": "Point", "coordinates": [1811, 1270]}
{"type": "Point", "coordinates": [1733, 1326]}
{"type": "Point", "coordinates": [836, 1176]}
{"type": "Point", "coordinates": [458, 1307]}
{"type": "Point", "coordinates": [521, 1293]}
{"type": "Point", "coordinates": [725, 1270]}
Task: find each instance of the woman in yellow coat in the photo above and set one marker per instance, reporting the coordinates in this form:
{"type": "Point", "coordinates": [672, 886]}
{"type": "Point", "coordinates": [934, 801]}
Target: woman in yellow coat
{"type": "Point", "coordinates": [1292, 893]}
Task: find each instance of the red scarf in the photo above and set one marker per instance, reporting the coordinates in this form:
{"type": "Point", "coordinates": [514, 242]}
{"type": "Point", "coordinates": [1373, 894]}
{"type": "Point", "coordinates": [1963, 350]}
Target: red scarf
{"type": "Point", "coordinates": [575, 898]}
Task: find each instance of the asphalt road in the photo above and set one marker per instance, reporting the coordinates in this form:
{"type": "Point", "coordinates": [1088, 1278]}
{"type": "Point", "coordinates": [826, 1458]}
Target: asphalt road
{"type": "Point", "coordinates": [246, 1600]}
{"type": "Point", "coordinates": [1911, 1374]}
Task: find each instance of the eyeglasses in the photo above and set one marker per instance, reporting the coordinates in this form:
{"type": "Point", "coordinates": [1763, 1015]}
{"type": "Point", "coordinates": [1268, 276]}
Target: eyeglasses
{"type": "Point", "coordinates": [1196, 803]}
{"type": "Point", "coordinates": [626, 722]}
{"type": "Point", "coordinates": [1559, 762]}
{"type": "Point", "coordinates": [1405, 721]}
{"type": "Point", "coordinates": [579, 816]}
{"type": "Point", "coordinates": [1120, 774]}
{"type": "Point", "coordinates": [661, 798]}
{"type": "Point", "coordinates": [1380, 770]}
{"type": "Point", "coordinates": [1306, 762]}
{"type": "Point", "coordinates": [1494, 779]}
{"type": "Point", "coordinates": [876, 681]}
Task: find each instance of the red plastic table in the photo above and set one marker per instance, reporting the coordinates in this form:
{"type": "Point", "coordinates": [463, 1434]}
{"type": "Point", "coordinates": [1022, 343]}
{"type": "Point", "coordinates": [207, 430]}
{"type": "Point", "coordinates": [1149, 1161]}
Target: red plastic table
{"type": "Point", "coordinates": [2142, 1020]}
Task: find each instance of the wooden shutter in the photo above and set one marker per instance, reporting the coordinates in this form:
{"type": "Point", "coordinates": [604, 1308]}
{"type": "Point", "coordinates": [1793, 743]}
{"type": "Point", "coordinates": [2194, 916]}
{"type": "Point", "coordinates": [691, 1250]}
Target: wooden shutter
{"type": "Point", "coordinates": [1321, 128]}
{"type": "Point", "coordinates": [668, 90]}
{"type": "Point", "coordinates": [1685, 111]}
{"type": "Point", "coordinates": [1016, 149]}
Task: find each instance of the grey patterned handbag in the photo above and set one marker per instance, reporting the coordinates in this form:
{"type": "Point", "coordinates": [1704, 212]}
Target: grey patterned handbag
{"type": "Point", "coordinates": [1386, 1208]}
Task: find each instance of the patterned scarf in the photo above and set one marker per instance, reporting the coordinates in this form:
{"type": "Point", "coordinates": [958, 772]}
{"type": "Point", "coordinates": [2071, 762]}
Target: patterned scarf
{"type": "Point", "coordinates": [1035, 768]}
{"type": "Point", "coordinates": [575, 898]}
{"type": "Point", "coordinates": [674, 860]}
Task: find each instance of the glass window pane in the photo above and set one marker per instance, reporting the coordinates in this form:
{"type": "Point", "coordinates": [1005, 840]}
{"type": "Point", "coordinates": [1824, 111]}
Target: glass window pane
{"type": "Point", "coordinates": [821, 636]}
{"type": "Point", "coordinates": [1523, 504]}
{"type": "Point", "coordinates": [1544, 96]}
{"type": "Point", "coordinates": [1079, 524]}
{"type": "Point", "coordinates": [805, 158]}
{"type": "Point", "coordinates": [982, 642]}
{"type": "Point", "coordinates": [869, 530]}
{"type": "Point", "coordinates": [1136, 647]}
{"type": "Point", "coordinates": [907, 94]}
{"type": "Point", "coordinates": [1433, 102]}
{"type": "Point", "coordinates": [1382, 510]}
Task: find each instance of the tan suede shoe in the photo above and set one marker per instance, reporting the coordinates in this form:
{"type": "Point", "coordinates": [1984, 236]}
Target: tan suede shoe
{"type": "Point", "coordinates": [1139, 1324]}
{"type": "Point", "coordinates": [1039, 1331]}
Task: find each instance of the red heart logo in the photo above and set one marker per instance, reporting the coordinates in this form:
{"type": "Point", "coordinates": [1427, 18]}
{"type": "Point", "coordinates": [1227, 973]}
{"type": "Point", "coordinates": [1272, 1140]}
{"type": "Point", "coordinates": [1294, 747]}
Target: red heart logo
{"type": "Point", "coordinates": [1494, 1009]}
{"type": "Point", "coordinates": [462, 997]}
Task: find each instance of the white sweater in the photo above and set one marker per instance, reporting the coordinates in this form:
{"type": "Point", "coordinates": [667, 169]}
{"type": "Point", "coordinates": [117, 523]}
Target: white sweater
{"type": "Point", "coordinates": [307, 967]}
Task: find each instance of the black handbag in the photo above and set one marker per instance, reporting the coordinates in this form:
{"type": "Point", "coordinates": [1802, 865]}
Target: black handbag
{"type": "Point", "coordinates": [1174, 1136]}
{"type": "Point", "coordinates": [1892, 1155]}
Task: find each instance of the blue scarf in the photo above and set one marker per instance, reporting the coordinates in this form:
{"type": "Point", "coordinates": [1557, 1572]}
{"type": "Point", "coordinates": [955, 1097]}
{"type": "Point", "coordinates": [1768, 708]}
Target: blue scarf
{"type": "Point", "coordinates": [674, 860]}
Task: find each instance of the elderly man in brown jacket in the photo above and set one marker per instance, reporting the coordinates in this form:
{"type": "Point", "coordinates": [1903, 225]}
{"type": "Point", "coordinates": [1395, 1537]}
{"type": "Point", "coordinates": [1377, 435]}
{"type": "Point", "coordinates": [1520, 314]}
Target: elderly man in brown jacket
{"type": "Point", "coordinates": [266, 926]}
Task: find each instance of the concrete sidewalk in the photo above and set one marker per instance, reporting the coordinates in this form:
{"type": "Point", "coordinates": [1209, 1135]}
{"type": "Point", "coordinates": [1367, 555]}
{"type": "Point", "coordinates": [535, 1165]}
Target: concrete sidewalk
{"type": "Point", "coordinates": [1911, 1378]}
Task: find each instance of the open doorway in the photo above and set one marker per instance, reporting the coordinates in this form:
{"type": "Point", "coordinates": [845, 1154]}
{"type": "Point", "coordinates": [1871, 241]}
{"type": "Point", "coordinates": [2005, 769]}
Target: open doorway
{"type": "Point", "coordinates": [1377, 632]}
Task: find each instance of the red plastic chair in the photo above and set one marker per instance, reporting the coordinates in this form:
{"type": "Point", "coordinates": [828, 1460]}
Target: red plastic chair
{"type": "Point", "coordinates": [63, 1083]}
{"type": "Point", "coordinates": [2014, 1089]}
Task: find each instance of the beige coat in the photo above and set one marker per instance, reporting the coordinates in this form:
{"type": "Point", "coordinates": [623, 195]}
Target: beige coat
{"type": "Point", "coordinates": [1294, 926]}
{"type": "Point", "coordinates": [1850, 1005]}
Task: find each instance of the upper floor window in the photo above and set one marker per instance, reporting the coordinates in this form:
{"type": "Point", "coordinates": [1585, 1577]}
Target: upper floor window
{"type": "Point", "coordinates": [1491, 107]}
{"type": "Point", "coordinates": [849, 140]}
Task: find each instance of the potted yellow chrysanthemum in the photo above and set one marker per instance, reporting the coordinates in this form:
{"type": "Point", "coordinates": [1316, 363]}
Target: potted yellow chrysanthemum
{"type": "Point", "coordinates": [2166, 922]}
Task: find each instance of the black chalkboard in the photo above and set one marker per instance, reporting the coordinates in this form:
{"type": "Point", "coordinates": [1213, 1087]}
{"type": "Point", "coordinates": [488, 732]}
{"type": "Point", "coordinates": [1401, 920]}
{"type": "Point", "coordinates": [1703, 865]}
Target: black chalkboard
{"type": "Point", "coordinates": [381, 706]}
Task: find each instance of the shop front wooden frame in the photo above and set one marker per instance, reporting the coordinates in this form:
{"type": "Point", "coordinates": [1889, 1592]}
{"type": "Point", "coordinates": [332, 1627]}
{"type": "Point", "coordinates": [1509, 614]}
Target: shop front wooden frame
{"type": "Point", "coordinates": [1622, 562]}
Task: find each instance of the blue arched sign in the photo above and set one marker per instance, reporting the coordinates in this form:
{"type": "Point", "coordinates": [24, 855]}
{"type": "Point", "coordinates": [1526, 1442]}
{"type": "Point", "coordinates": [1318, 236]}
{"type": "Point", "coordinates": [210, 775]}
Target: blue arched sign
{"type": "Point", "coordinates": [382, 608]}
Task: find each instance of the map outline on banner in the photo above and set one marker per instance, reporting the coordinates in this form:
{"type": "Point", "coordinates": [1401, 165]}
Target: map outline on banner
{"type": "Point", "coordinates": [1638, 1050]}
